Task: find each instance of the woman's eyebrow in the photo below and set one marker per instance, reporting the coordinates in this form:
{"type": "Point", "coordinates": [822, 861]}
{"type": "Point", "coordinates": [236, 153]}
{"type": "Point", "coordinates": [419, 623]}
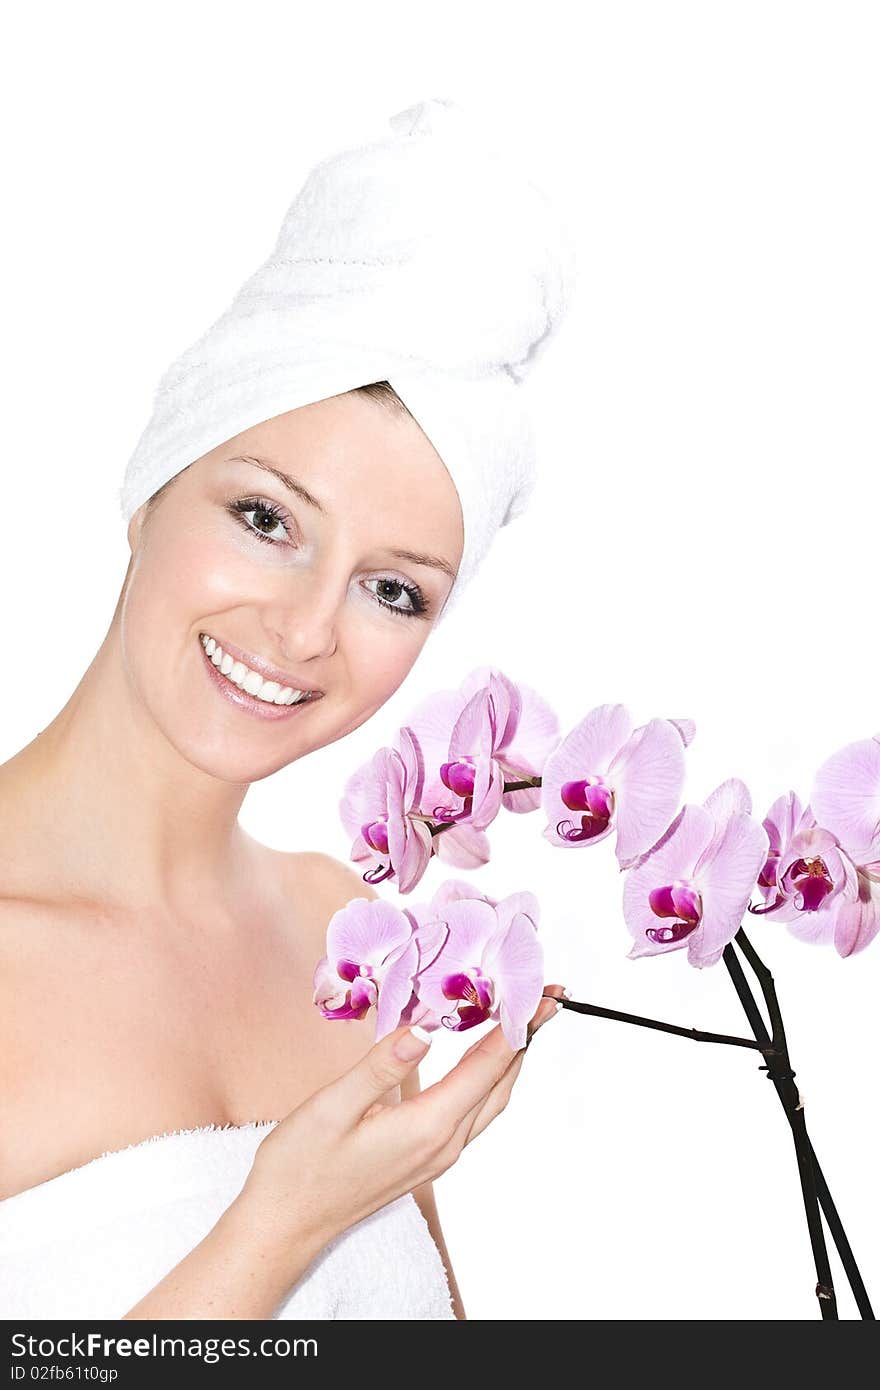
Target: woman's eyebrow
{"type": "Point", "coordinates": [415, 557]}
{"type": "Point", "coordinates": [283, 478]}
{"type": "Point", "coordinates": [435, 561]}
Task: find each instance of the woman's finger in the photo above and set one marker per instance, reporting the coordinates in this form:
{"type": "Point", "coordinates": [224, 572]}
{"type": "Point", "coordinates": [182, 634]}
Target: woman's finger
{"type": "Point", "coordinates": [487, 1109]}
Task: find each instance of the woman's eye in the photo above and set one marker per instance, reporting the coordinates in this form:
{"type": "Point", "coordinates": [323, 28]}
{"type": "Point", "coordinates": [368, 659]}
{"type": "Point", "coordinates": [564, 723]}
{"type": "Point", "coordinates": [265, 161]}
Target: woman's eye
{"type": "Point", "coordinates": [267, 520]}
{"type": "Point", "coordinates": [398, 597]}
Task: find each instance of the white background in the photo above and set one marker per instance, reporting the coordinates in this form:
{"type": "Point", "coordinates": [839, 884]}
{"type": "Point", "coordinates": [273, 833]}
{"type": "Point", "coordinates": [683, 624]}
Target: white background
{"type": "Point", "coordinates": [703, 540]}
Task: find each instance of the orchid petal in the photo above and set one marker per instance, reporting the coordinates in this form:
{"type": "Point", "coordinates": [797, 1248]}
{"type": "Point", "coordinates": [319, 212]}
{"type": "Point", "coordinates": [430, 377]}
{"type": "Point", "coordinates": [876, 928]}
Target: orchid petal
{"type": "Point", "coordinates": [846, 797]}
{"type": "Point", "coordinates": [463, 846]}
{"type": "Point", "coordinates": [472, 729]}
{"type": "Point", "coordinates": [859, 922]}
{"type": "Point", "coordinates": [417, 849]}
{"type": "Point", "coordinates": [730, 798]}
{"type": "Point", "coordinates": [590, 746]}
{"type": "Point", "coordinates": [522, 800]}
{"type": "Point", "coordinates": [506, 703]}
{"type": "Point", "coordinates": [364, 797]}
{"type": "Point", "coordinates": [527, 747]}
{"type": "Point", "coordinates": [816, 928]}
{"type": "Point", "coordinates": [395, 990]}
{"type": "Point", "coordinates": [452, 889]}
{"type": "Point", "coordinates": [725, 882]}
{"type": "Point", "coordinates": [366, 930]}
{"type": "Point", "coordinates": [525, 903]}
{"type": "Point", "coordinates": [412, 757]}
{"type": "Point", "coordinates": [647, 781]}
{"type": "Point", "coordinates": [687, 728]}
{"type": "Point", "coordinates": [514, 959]}
{"type": "Point", "coordinates": [326, 981]}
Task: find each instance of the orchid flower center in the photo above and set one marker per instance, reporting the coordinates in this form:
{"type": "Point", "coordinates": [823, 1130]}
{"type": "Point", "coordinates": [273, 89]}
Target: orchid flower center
{"type": "Point", "coordinates": [375, 832]}
{"type": "Point", "coordinates": [473, 992]}
{"type": "Point", "coordinates": [350, 970]}
{"type": "Point", "coordinates": [810, 882]}
{"type": "Point", "coordinates": [459, 776]}
{"type": "Point", "coordinates": [356, 1001]}
{"type": "Point", "coordinates": [379, 873]}
{"type": "Point", "coordinates": [595, 800]}
{"type": "Point", "coordinates": [679, 900]}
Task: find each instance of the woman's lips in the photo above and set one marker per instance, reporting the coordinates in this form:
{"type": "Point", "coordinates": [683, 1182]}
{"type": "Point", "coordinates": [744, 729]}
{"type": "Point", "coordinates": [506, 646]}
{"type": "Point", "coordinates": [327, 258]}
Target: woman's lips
{"type": "Point", "coordinates": [249, 703]}
{"type": "Point", "coordinates": [263, 668]}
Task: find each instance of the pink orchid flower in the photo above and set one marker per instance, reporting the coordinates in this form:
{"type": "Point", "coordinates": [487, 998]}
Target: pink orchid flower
{"type": "Point", "coordinates": [614, 778]}
{"type": "Point", "coordinates": [380, 808]}
{"type": "Point", "coordinates": [846, 801]}
{"type": "Point", "coordinates": [488, 731]}
{"type": "Point", "coordinates": [807, 876]}
{"type": "Point", "coordinates": [491, 964]}
{"type": "Point", "coordinates": [692, 889]}
{"type": "Point", "coordinates": [373, 956]}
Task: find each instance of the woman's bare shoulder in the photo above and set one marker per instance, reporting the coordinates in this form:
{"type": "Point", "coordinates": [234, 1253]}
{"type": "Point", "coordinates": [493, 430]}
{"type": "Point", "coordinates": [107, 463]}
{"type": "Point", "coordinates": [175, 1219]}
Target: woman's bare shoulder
{"type": "Point", "coordinates": [324, 883]}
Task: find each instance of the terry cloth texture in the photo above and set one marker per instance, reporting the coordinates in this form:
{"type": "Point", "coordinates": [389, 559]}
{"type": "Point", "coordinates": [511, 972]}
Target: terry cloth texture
{"type": "Point", "coordinates": [90, 1243]}
{"type": "Point", "coordinates": [425, 258]}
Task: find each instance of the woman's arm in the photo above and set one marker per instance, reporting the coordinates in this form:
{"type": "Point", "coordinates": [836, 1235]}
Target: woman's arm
{"type": "Point", "coordinates": [243, 1268]}
{"type": "Point", "coordinates": [427, 1203]}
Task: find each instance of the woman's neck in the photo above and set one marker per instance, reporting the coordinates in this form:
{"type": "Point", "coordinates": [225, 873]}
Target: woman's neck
{"type": "Point", "coordinates": [107, 808]}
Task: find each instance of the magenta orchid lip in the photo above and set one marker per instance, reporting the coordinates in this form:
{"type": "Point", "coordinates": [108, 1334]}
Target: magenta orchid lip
{"type": "Point", "coordinates": [249, 703]}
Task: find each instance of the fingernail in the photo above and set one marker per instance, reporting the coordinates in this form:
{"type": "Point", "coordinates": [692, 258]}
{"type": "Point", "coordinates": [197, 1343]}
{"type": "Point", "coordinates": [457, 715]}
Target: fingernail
{"type": "Point", "coordinates": [412, 1044]}
{"type": "Point", "coordinates": [566, 992]}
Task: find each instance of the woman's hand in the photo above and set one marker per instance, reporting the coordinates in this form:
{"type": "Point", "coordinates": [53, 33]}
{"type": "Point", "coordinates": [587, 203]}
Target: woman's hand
{"type": "Point", "coordinates": [344, 1153]}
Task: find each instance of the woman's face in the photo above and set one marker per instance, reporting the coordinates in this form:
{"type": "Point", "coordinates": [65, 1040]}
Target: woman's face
{"type": "Point", "coordinates": [330, 584]}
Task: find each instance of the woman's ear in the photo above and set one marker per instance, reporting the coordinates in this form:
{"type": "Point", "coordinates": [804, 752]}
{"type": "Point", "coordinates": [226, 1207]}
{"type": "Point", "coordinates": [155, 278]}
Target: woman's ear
{"type": "Point", "coordinates": [135, 526]}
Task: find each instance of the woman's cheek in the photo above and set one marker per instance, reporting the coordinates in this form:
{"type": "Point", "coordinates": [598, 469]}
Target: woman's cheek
{"type": "Point", "coordinates": [384, 662]}
{"type": "Point", "coordinates": [208, 576]}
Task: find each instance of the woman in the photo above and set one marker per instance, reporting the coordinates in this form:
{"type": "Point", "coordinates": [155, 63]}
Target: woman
{"type": "Point", "coordinates": [156, 962]}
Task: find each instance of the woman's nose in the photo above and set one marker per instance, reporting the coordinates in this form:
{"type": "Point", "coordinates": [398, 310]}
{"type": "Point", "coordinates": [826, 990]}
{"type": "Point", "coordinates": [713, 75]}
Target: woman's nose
{"type": "Point", "coordinates": [304, 625]}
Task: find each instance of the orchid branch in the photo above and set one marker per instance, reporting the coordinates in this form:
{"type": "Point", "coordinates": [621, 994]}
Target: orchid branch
{"type": "Point", "coordinates": [780, 1071]}
{"type": "Point", "coordinates": [687, 873]}
{"type": "Point", "coordinates": [596, 1011]}
{"type": "Point", "coordinates": [762, 1035]}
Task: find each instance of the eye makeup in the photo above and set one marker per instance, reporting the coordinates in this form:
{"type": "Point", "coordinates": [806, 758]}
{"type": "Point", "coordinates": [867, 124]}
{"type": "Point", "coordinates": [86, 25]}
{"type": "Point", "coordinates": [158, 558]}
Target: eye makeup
{"type": "Point", "coordinates": [241, 507]}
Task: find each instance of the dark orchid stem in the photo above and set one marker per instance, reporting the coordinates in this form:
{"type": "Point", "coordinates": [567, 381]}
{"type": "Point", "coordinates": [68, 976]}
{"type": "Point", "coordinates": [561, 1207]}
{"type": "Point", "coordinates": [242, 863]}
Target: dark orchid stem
{"type": "Point", "coordinates": [826, 1201]}
{"type": "Point", "coordinates": [832, 1217]}
{"type": "Point", "coordinates": [596, 1011]}
{"type": "Point", "coordinates": [780, 1072]}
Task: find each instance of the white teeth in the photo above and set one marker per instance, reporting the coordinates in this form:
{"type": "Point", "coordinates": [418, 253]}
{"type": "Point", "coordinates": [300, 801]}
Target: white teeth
{"type": "Point", "coordinates": [268, 690]}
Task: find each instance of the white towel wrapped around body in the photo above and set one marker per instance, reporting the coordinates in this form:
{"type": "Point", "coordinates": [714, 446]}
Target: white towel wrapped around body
{"type": "Point", "coordinates": [90, 1243]}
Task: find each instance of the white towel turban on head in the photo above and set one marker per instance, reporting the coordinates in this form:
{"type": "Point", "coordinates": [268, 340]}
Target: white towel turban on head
{"type": "Point", "coordinates": [425, 259]}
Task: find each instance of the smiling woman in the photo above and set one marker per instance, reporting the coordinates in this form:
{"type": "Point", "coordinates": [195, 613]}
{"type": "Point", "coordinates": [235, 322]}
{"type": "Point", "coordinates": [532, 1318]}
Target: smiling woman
{"type": "Point", "coordinates": [297, 595]}
{"type": "Point", "coordinates": [179, 1138]}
